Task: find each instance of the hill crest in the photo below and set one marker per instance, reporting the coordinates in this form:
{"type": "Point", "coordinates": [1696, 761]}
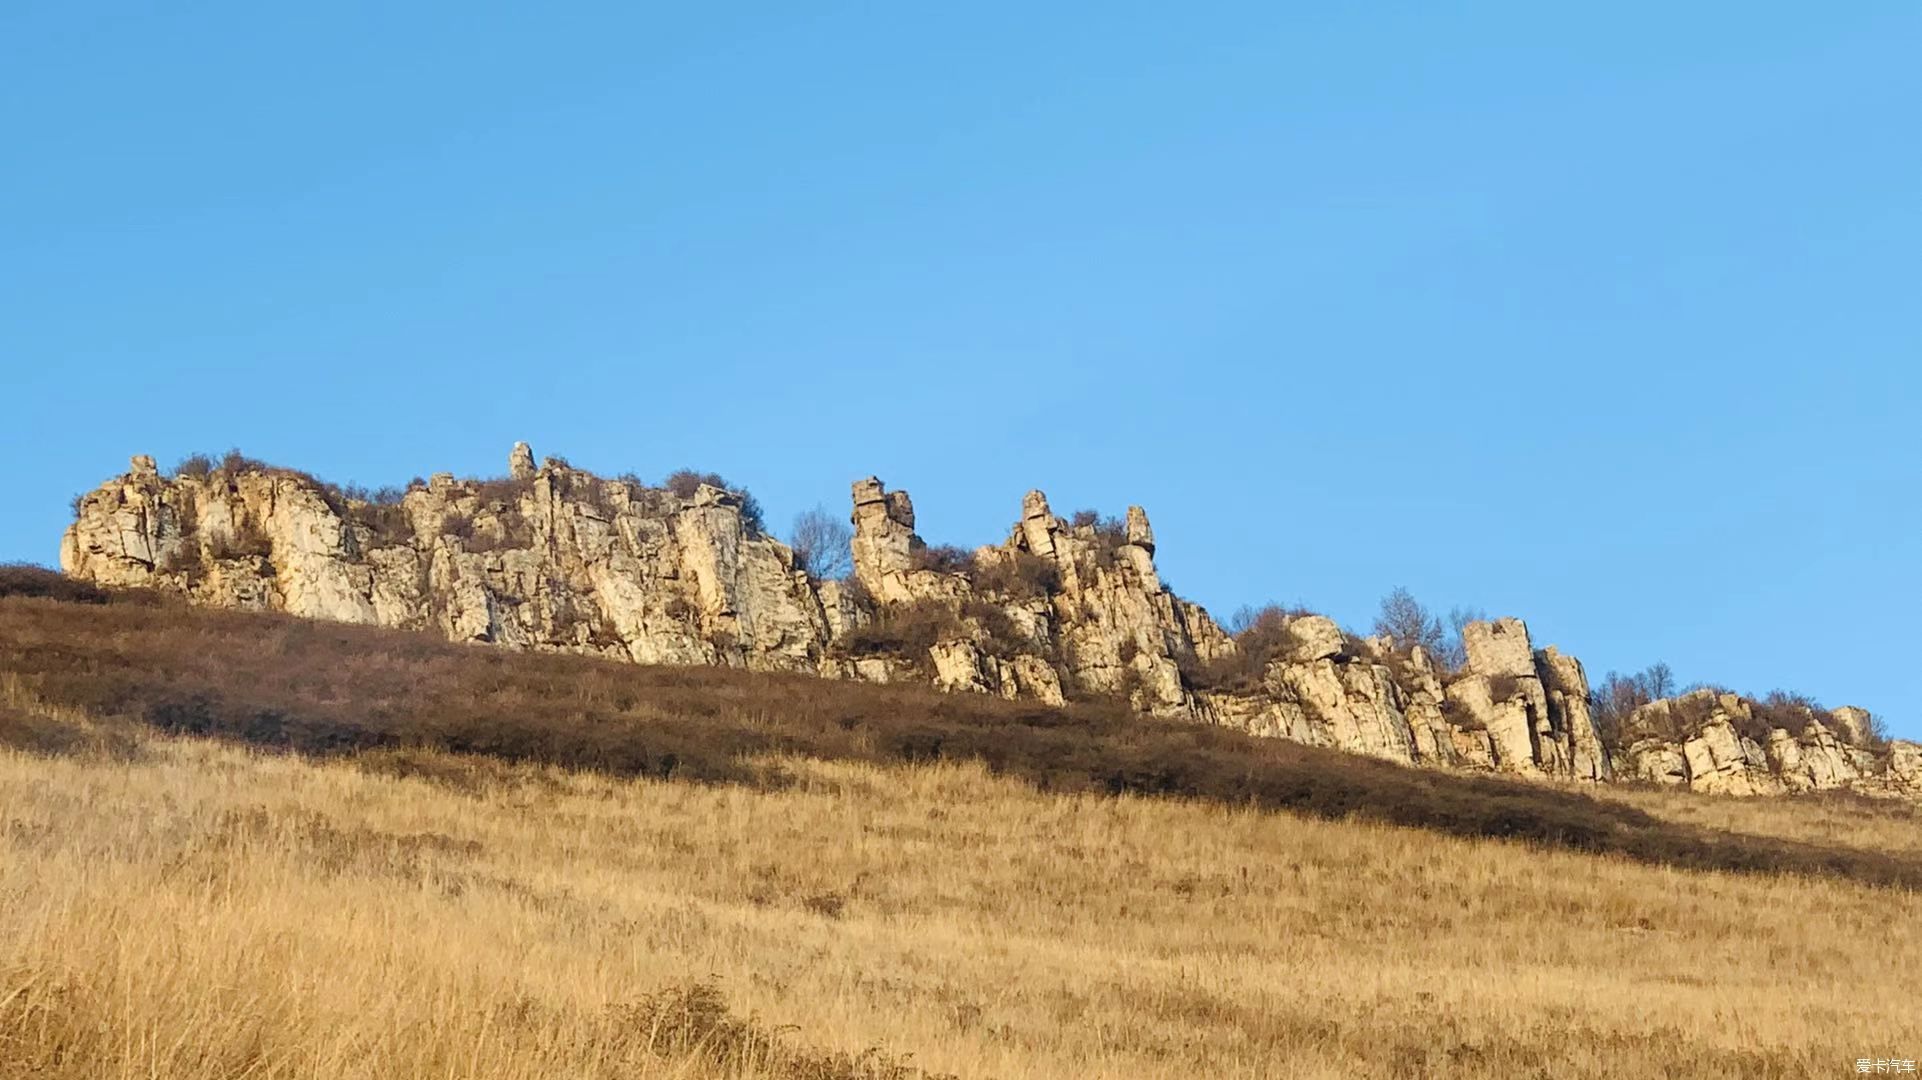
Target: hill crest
{"type": "Point", "coordinates": [553, 558]}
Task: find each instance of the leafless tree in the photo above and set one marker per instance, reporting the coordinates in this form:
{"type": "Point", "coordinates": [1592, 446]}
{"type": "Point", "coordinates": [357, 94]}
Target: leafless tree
{"type": "Point", "coordinates": [1243, 618]}
{"type": "Point", "coordinates": [1658, 681]}
{"type": "Point", "coordinates": [1453, 655]}
{"type": "Point", "coordinates": [822, 543]}
{"type": "Point", "coordinates": [1618, 696]}
{"type": "Point", "coordinates": [1404, 619]}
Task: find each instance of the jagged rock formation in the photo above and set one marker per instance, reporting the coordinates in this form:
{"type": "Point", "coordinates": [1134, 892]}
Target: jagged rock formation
{"type": "Point", "coordinates": [1718, 742]}
{"type": "Point", "coordinates": [552, 557]}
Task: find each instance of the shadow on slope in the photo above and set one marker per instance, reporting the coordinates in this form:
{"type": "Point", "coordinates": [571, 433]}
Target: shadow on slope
{"type": "Point", "coordinates": [327, 688]}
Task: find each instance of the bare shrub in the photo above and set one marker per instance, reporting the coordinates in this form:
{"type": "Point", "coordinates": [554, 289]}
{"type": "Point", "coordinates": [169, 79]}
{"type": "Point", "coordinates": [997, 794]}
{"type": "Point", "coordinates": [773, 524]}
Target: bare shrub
{"type": "Point", "coordinates": [1617, 697]}
{"type": "Point", "coordinates": [691, 1022]}
{"type": "Point", "coordinates": [1792, 711]}
{"type": "Point", "coordinates": [906, 631]}
{"type": "Point", "coordinates": [508, 534]}
{"type": "Point", "coordinates": [998, 636]}
{"type": "Point", "coordinates": [457, 525]}
{"type": "Point", "coordinates": [1460, 717]}
{"type": "Point", "coordinates": [684, 483]}
{"type": "Point", "coordinates": [856, 592]}
{"type": "Point", "coordinates": [944, 559]}
{"type": "Point", "coordinates": [1265, 634]}
{"type": "Point", "coordinates": [246, 540]}
{"type": "Point", "coordinates": [386, 523]}
{"type": "Point", "coordinates": [28, 580]}
{"type": "Point", "coordinates": [194, 466]}
{"type": "Point", "coordinates": [233, 463]}
{"type": "Point", "coordinates": [1877, 738]}
{"type": "Point", "coordinates": [505, 490]}
{"type": "Point", "coordinates": [1021, 575]}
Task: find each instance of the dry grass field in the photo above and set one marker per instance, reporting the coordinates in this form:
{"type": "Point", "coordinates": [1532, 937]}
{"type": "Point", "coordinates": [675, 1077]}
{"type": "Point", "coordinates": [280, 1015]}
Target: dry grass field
{"type": "Point", "coordinates": [206, 904]}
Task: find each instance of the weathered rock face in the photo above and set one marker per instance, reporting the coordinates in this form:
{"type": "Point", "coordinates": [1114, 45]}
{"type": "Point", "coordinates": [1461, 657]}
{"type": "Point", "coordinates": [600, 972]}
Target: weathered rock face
{"type": "Point", "coordinates": [1056, 608]}
{"type": "Point", "coordinates": [556, 558]}
{"type": "Point", "coordinates": [552, 558]}
{"type": "Point", "coordinates": [1717, 742]}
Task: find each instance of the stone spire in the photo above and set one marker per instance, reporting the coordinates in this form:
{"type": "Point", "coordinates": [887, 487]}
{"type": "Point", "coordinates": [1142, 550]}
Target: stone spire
{"type": "Point", "coordinates": [884, 540]}
{"type": "Point", "coordinates": [1140, 533]}
{"type": "Point", "coordinates": [520, 462]}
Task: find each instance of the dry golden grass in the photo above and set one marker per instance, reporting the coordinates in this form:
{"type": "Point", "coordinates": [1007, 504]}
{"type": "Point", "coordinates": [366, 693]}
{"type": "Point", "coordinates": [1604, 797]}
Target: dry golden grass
{"type": "Point", "coordinates": [1827, 819]}
{"type": "Point", "coordinates": [463, 863]}
{"type": "Point", "coordinates": [175, 907]}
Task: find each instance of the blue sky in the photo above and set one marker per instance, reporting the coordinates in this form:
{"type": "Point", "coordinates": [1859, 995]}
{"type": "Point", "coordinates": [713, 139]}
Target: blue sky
{"type": "Point", "coordinates": [1607, 319]}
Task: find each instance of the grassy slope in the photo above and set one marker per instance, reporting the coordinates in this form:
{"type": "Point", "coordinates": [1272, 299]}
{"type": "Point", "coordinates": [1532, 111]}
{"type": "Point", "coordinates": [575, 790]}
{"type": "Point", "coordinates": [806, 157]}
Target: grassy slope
{"type": "Point", "coordinates": [316, 687]}
{"type": "Point", "coordinates": [177, 906]}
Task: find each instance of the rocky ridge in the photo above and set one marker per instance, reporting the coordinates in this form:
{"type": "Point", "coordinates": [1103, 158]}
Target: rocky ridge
{"type": "Point", "coordinates": [556, 558]}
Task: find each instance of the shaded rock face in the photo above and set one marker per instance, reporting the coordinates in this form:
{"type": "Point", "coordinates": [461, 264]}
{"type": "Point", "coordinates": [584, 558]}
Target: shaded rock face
{"type": "Point", "coordinates": [554, 558]}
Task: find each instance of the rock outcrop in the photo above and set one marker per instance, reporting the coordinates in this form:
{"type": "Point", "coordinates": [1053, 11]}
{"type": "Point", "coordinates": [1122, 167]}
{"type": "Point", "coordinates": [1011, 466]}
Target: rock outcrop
{"type": "Point", "coordinates": [555, 558]}
{"type": "Point", "coordinates": [1717, 742]}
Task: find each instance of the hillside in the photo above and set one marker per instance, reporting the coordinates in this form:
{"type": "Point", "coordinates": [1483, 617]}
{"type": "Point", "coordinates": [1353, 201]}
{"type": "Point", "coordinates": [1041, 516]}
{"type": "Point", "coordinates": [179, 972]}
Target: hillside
{"type": "Point", "coordinates": [240, 843]}
{"type": "Point", "coordinates": [551, 558]}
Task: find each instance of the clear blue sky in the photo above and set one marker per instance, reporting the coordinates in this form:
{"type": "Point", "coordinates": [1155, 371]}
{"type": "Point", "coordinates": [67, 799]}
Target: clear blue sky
{"type": "Point", "coordinates": [1608, 319]}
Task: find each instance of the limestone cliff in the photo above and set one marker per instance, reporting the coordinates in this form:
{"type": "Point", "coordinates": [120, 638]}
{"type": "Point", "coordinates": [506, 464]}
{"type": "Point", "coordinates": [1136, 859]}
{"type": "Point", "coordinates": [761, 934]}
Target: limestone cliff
{"type": "Point", "coordinates": [550, 558]}
{"type": "Point", "coordinates": [555, 558]}
{"type": "Point", "coordinates": [1708, 740]}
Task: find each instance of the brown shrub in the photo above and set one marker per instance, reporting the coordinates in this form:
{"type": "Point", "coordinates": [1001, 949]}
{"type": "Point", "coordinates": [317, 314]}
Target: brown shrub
{"type": "Point", "coordinates": [997, 634]}
{"type": "Point", "coordinates": [685, 482]}
{"type": "Point", "coordinates": [32, 732]}
{"type": "Point", "coordinates": [26, 579]}
{"type": "Point", "coordinates": [1265, 635]}
{"type": "Point", "coordinates": [505, 490]}
{"type": "Point", "coordinates": [944, 559]}
{"type": "Point", "coordinates": [1687, 716]}
{"type": "Point", "coordinates": [1754, 726]}
{"type": "Point", "coordinates": [1458, 715]}
{"type": "Point", "coordinates": [1019, 576]}
{"type": "Point", "coordinates": [194, 466]}
{"type": "Point", "coordinates": [692, 1022]}
{"type": "Point", "coordinates": [1790, 710]}
{"type": "Point", "coordinates": [280, 682]}
{"type": "Point", "coordinates": [906, 631]}
{"type": "Point", "coordinates": [386, 523]}
{"type": "Point", "coordinates": [385, 496]}
{"type": "Point", "coordinates": [247, 540]}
